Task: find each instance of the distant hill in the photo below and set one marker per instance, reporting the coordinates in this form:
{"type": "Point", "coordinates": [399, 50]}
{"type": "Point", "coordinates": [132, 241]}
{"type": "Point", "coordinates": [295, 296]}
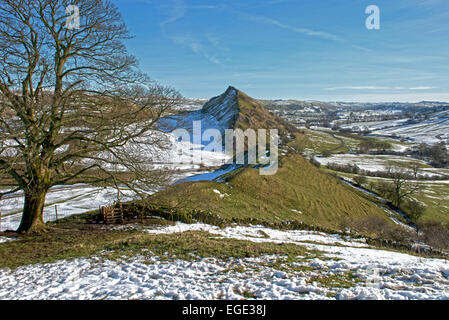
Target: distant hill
{"type": "Point", "coordinates": [320, 107]}
{"type": "Point", "coordinates": [297, 192]}
{"type": "Point", "coordinates": [298, 104]}
{"type": "Point", "coordinates": [234, 109]}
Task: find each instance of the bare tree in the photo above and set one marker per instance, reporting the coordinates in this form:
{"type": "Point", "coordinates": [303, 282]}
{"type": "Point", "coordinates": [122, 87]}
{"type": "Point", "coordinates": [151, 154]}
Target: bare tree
{"type": "Point", "coordinates": [400, 186]}
{"type": "Point", "coordinates": [415, 168]}
{"type": "Point", "coordinates": [403, 187]}
{"type": "Point", "coordinates": [73, 105]}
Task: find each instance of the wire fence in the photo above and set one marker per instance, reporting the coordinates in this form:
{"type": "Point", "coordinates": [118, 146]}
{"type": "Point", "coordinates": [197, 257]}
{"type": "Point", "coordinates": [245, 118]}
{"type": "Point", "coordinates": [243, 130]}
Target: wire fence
{"type": "Point", "coordinates": [54, 213]}
{"type": "Point", "coordinates": [50, 214]}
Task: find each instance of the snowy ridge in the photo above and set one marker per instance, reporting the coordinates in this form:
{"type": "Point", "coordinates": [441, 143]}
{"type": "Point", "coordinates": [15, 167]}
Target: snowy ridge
{"type": "Point", "coordinates": [218, 113]}
{"type": "Point", "coordinates": [224, 108]}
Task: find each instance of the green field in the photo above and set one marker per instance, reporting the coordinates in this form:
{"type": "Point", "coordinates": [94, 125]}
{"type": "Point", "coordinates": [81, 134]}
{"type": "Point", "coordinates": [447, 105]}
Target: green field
{"type": "Point", "coordinates": [317, 141]}
{"type": "Point", "coordinates": [434, 194]}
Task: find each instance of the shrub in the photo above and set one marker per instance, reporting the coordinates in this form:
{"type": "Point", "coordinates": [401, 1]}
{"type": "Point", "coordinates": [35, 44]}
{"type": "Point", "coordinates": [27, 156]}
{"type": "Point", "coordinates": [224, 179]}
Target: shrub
{"type": "Point", "coordinates": [435, 234]}
{"type": "Point", "coordinates": [386, 189]}
{"type": "Point", "coordinates": [414, 208]}
{"type": "Point", "coordinates": [297, 145]}
{"type": "Point", "coordinates": [359, 180]}
{"type": "Point", "coordinates": [327, 153]}
{"type": "Point", "coordinates": [378, 228]}
{"type": "Point", "coordinates": [371, 144]}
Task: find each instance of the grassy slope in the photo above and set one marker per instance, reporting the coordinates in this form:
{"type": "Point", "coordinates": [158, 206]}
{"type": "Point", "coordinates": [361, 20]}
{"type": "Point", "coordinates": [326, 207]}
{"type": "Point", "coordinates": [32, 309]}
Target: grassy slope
{"type": "Point", "coordinates": [323, 200]}
{"type": "Point", "coordinates": [434, 194]}
{"type": "Point", "coordinates": [317, 142]}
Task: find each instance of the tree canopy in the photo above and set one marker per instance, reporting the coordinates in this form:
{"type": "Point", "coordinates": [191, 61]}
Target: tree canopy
{"type": "Point", "coordinates": [73, 105]}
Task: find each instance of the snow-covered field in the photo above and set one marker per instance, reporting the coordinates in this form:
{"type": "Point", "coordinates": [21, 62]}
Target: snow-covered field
{"type": "Point", "coordinates": [375, 125]}
{"type": "Point", "coordinates": [369, 162]}
{"type": "Point", "coordinates": [433, 130]}
{"type": "Point", "coordinates": [261, 234]}
{"type": "Point", "coordinates": [69, 200]}
{"type": "Point", "coordinates": [77, 199]}
{"type": "Point", "coordinates": [374, 274]}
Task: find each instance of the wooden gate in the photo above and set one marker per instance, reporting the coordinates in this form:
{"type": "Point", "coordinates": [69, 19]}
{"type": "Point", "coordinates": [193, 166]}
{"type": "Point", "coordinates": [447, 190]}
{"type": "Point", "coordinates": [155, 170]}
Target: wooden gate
{"type": "Point", "coordinates": [112, 214]}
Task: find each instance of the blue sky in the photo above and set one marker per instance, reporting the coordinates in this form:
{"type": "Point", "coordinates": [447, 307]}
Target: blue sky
{"type": "Point", "coordinates": [294, 49]}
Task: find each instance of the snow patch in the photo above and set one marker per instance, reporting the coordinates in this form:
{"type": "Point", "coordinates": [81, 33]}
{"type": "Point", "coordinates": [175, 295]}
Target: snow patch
{"type": "Point", "coordinates": [380, 274]}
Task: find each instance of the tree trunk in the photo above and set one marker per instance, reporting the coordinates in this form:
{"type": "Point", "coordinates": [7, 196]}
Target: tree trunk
{"type": "Point", "coordinates": [32, 217]}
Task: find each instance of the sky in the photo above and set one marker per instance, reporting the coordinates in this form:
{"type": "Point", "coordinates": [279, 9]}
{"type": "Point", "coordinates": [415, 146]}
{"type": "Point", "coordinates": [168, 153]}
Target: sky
{"type": "Point", "coordinates": [294, 49]}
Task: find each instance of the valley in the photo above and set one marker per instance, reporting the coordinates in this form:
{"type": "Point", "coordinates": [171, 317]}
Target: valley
{"type": "Point", "coordinates": [323, 218]}
{"type": "Point", "coordinates": [227, 152]}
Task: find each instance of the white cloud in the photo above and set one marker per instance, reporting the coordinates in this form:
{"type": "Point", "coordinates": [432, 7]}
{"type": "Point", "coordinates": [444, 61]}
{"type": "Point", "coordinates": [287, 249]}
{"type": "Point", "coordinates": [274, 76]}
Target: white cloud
{"type": "Point", "coordinates": [306, 31]}
{"type": "Point", "coordinates": [378, 88]}
{"type": "Point", "coordinates": [309, 32]}
{"type": "Point", "coordinates": [422, 88]}
{"type": "Point", "coordinates": [356, 88]}
{"type": "Point", "coordinates": [196, 46]}
{"type": "Point", "coordinates": [178, 10]}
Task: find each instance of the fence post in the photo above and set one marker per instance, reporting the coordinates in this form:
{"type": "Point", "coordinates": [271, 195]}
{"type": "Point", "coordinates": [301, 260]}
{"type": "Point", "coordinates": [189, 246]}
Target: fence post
{"type": "Point", "coordinates": [56, 211]}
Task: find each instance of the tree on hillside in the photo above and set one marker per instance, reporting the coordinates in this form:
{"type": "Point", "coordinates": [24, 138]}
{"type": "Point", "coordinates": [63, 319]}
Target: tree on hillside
{"type": "Point", "coordinates": [415, 168]}
{"type": "Point", "coordinates": [73, 106]}
{"type": "Point", "coordinates": [360, 180]}
{"type": "Point", "coordinates": [399, 187]}
{"type": "Point", "coordinates": [415, 209]}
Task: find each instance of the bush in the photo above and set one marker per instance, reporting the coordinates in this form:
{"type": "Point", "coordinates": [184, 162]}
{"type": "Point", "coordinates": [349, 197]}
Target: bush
{"type": "Point", "coordinates": [297, 145]}
{"type": "Point", "coordinates": [371, 144]}
{"type": "Point", "coordinates": [435, 234]}
{"type": "Point", "coordinates": [359, 180]}
{"type": "Point", "coordinates": [378, 228]}
{"type": "Point", "coordinates": [386, 189]}
{"type": "Point", "coordinates": [327, 153]}
{"type": "Point", "coordinates": [414, 209]}
{"type": "Point", "coordinates": [372, 225]}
